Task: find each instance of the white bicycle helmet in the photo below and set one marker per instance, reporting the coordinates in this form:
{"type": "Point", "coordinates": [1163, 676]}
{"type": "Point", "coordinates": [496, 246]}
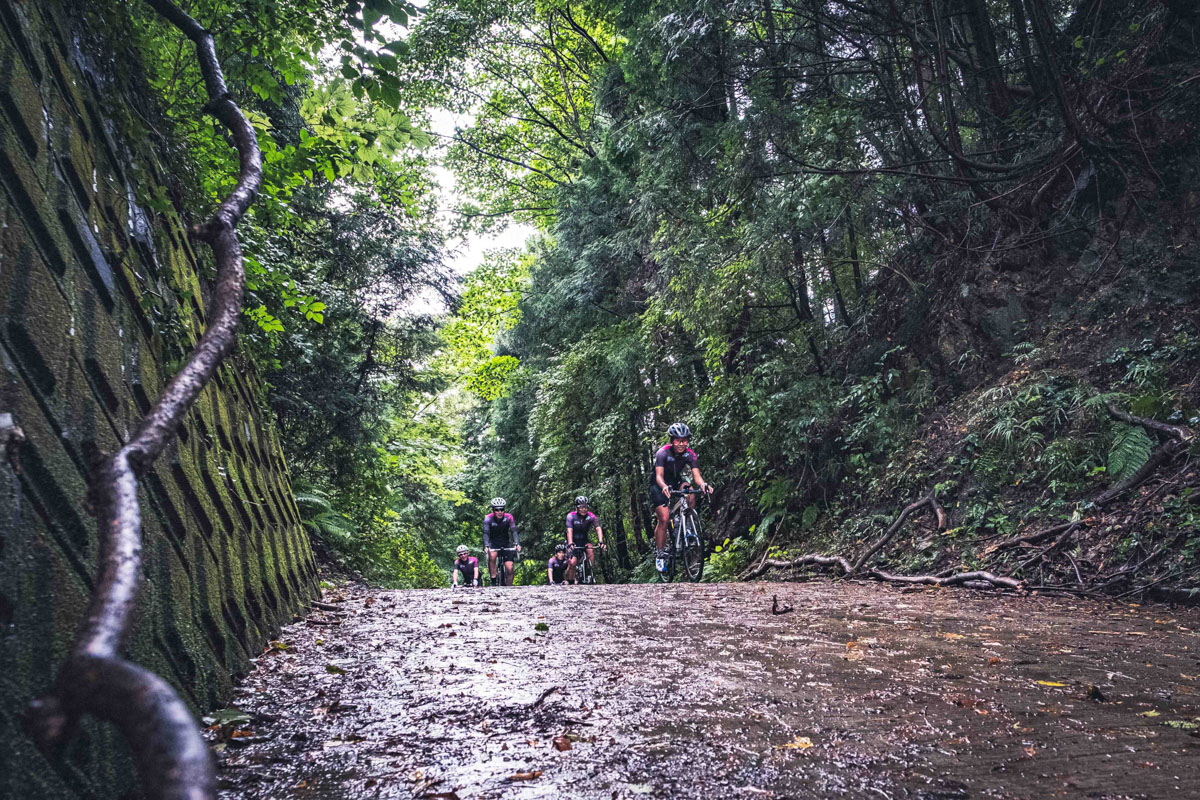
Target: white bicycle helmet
{"type": "Point", "coordinates": [498, 504]}
{"type": "Point", "coordinates": [462, 550]}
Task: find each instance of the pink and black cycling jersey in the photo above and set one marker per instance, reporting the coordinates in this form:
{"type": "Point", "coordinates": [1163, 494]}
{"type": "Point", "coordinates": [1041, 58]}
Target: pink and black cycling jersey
{"type": "Point", "coordinates": [675, 467]}
{"type": "Point", "coordinates": [468, 568]}
{"type": "Point", "coordinates": [558, 568]}
{"type": "Point", "coordinates": [499, 530]}
{"type": "Point", "coordinates": [580, 524]}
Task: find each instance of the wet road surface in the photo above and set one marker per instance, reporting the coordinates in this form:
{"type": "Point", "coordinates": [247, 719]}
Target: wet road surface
{"type": "Point", "coordinates": [698, 691]}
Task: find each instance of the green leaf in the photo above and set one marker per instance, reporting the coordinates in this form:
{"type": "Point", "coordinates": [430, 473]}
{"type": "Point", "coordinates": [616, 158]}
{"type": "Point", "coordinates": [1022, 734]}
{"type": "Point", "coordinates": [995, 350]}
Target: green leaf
{"type": "Point", "coordinates": [1130, 449]}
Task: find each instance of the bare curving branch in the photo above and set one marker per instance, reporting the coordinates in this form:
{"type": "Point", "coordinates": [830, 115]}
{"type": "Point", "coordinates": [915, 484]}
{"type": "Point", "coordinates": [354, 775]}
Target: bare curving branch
{"type": "Point", "coordinates": [172, 758]}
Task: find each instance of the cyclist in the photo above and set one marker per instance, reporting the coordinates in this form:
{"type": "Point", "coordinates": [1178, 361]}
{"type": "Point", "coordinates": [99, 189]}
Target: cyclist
{"type": "Point", "coordinates": [499, 533]}
{"type": "Point", "coordinates": [672, 463]}
{"type": "Point", "coordinates": [466, 568]}
{"type": "Point", "coordinates": [579, 522]}
{"type": "Point", "coordinates": [556, 567]}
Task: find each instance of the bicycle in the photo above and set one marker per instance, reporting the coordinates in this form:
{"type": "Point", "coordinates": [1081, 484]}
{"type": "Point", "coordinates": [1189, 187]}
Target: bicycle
{"type": "Point", "coordinates": [503, 555]}
{"type": "Point", "coordinates": [585, 573]}
{"type": "Point", "coordinates": [684, 539]}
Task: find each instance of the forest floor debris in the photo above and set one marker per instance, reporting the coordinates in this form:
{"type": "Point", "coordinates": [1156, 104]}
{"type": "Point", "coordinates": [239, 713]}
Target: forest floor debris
{"type": "Point", "coordinates": [694, 690]}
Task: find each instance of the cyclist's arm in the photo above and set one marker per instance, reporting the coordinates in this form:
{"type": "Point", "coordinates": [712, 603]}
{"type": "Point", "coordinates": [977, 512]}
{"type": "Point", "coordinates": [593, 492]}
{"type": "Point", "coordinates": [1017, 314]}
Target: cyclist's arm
{"type": "Point", "coordinates": [516, 541]}
{"type": "Point", "coordinates": [550, 575]}
{"type": "Point", "coordinates": [599, 533]}
{"type": "Point", "coordinates": [487, 533]}
{"type": "Point", "coordinates": [455, 576]}
{"type": "Point", "coordinates": [699, 479]}
{"type": "Point", "coordinates": [662, 482]}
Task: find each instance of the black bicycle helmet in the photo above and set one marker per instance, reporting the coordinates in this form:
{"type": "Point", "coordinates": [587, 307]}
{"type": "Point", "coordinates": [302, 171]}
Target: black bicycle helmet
{"type": "Point", "coordinates": [498, 504]}
{"type": "Point", "coordinates": [679, 430]}
{"type": "Point", "coordinates": [581, 500]}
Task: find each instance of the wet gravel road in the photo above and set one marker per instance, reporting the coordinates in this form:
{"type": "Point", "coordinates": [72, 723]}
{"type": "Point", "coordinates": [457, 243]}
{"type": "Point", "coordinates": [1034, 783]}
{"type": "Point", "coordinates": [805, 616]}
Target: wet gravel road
{"type": "Point", "coordinates": [862, 690]}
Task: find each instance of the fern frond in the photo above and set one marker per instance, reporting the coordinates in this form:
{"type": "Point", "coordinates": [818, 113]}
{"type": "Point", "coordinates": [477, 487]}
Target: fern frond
{"type": "Point", "coordinates": [1130, 449]}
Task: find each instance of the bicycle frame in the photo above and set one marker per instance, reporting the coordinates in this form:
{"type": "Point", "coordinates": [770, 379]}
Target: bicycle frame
{"type": "Point", "coordinates": [582, 567]}
{"type": "Point", "coordinates": [503, 556]}
{"type": "Point", "coordinates": [683, 529]}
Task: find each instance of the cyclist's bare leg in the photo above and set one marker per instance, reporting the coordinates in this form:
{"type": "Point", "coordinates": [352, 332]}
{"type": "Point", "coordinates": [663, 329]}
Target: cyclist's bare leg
{"type": "Point", "coordinates": [508, 573]}
{"type": "Point", "coordinates": [492, 554]}
{"type": "Point", "coordinates": [591, 555]}
{"type": "Point", "coordinates": [660, 528]}
{"type": "Point", "coordinates": [572, 576]}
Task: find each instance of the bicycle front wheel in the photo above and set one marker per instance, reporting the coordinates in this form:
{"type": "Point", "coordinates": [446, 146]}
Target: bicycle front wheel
{"type": "Point", "coordinates": [693, 548]}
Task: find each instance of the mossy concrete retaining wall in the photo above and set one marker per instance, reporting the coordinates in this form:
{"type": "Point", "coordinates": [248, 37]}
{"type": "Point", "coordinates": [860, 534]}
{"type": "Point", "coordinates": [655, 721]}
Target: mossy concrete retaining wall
{"type": "Point", "coordinates": [99, 296]}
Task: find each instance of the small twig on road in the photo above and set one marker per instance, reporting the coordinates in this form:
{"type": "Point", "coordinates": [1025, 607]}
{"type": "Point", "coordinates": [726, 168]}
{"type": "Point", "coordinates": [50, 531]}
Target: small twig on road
{"type": "Point", "coordinates": [327, 606]}
{"type": "Point", "coordinates": [775, 609]}
{"type": "Point", "coordinates": [541, 697]}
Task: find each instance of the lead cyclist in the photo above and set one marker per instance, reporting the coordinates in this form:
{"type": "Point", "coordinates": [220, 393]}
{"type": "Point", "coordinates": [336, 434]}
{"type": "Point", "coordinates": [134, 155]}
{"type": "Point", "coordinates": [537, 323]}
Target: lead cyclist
{"type": "Point", "coordinates": [499, 533]}
{"type": "Point", "coordinates": [669, 464]}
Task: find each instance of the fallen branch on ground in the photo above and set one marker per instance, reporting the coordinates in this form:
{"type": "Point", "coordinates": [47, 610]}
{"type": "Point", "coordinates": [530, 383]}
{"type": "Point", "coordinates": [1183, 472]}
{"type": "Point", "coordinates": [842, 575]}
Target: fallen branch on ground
{"type": "Point", "coordinates": [928, 500]}
{"type": "Point", "coordinates": [1052, 548]}
{"type": "Point", "coordinates": [959, 579]}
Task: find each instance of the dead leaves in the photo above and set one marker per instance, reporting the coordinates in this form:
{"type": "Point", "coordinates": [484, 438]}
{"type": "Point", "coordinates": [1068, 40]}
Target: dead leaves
{"type": "Point", "coordinates": [532, 775]}
{"type": "Point", "coordinates": [798, 743]}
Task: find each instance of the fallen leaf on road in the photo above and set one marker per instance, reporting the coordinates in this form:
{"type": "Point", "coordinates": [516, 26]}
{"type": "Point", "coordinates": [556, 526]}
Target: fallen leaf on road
{"type": "Point", "coordinates": [526, 776]}
{"type": "Point", "coordinates": [562, 743]}
{"type": "Point", "coordinates": [1050, 683]}
{"type": "Point", "coordinates": [227, 716]}
{"type": "Point", "coordinates": [334, 669]}
{"type": "Point", "coordinates": [799, 743]}
{"type": "Point", "coordinates": [541, 627]}
{"type": "Point", "coordinates": [1149, 714]}
{"type": "Point", "coordinates": [952, 636]}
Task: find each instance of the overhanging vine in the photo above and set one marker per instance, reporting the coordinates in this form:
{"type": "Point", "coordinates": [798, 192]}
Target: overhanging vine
{"type": "Point", "coordinates": [172, 757]}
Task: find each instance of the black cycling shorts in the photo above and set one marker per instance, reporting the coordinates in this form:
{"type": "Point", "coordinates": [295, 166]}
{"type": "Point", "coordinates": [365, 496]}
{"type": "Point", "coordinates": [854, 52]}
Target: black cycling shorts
{"type": "Point", "coordinates": [657, 496]}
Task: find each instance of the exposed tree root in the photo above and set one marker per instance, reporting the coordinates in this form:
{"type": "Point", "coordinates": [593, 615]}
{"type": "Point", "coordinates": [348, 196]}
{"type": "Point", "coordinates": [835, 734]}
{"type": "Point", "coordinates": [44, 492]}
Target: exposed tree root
{"type": "Point", "coordinates": [855, 569]}
{"type": "Point", "coordinates": [927, 500]}
{"type": "Point", "coordinates": [1179, 438]}
{"type": "Point", "coordinates": [958, 579]}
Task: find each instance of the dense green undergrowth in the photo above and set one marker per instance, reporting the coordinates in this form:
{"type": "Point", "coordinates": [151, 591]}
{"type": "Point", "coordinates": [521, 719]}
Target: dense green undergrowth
{"type": "Point", "coordinates": [866, 250]}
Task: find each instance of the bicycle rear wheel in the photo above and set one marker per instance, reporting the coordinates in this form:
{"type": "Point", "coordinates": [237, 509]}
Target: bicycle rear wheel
{"type": "Point", "coordinates": [693, 548]}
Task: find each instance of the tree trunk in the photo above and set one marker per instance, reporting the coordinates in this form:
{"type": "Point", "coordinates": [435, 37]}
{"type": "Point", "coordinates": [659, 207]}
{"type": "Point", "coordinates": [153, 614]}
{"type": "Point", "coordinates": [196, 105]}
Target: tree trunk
{"type": "Point", "coordinates": [635, 519]}
{"type": "Point", "coordinates": [841, 315]}
{"type": "Point", "coordinates": [618, 534]}
{"type": "Point", "coordinates": [1042, 26]}
{"type": "Point", "coordinates": [990, 73]}
{"type": "Point", "coordinates": [852, 243]}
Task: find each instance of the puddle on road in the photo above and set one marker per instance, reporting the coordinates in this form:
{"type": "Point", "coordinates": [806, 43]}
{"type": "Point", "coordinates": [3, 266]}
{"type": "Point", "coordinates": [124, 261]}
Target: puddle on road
{"type": "Point", "coordinates": [691, 691]}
